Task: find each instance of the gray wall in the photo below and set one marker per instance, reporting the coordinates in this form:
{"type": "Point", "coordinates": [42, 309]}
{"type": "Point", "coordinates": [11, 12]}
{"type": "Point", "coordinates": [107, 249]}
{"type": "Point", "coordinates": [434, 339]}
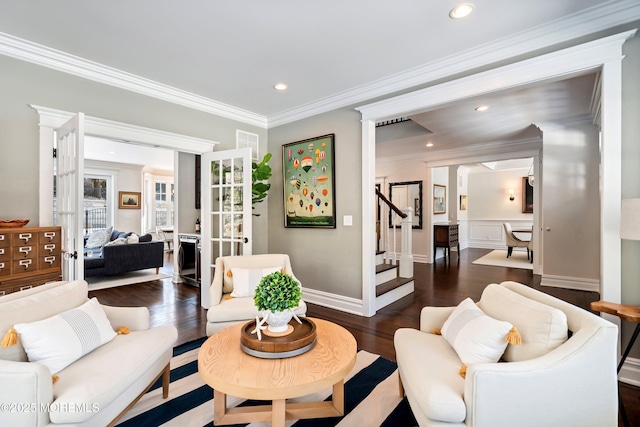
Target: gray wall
{"type": "Point", "coordinates": [22, 84]}
{"type": "Point", "coordinates": [327, 260]}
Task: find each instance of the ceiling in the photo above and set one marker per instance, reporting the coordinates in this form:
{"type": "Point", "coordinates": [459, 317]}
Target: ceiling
{"type": "Point", "coordinates": [227, 55]}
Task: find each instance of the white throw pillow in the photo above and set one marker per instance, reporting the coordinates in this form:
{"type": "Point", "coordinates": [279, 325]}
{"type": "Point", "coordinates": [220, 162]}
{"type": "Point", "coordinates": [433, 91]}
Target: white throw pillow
{"type": "Point", "coordinates": [133, 238]}
{"type": "Point", "coordinates": [99, 238]}
{"type": "Point", "coordinates": [245, 280]}
{"type": "Point", "coordinates": [58, 341]}
{"type": "Point", "coordinates": [541, 327]}
{"type": "Point", "coordinates": [476, 337]}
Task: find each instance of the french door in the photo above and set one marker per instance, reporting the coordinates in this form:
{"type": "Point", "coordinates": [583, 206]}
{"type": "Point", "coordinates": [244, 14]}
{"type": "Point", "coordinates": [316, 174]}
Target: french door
{"type": "Point", "coordinates": [69, 194]}
{"type": "Point", "coordinates": [225, 210]}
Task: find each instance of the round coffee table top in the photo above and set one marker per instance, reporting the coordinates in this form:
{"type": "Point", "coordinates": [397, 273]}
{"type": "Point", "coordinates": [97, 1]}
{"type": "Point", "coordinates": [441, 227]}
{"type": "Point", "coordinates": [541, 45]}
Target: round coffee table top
{"type": "Point", "coordinates": [225, 367]}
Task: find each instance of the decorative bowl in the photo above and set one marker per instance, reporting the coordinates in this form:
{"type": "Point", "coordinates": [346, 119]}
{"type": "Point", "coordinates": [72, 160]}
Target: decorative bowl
{"type": "Point", "coordinates": [13, 223]}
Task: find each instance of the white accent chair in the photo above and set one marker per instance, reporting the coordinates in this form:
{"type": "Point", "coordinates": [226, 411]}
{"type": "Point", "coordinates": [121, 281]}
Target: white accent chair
{"type": "Point", "coordinates": [225, 310]}
{"type": "Point", "coordinates": [98, 388]}
{"type": "Point", "coordinates": [513, 241]}
{"type": "Point", "coordinates": [551, 381]}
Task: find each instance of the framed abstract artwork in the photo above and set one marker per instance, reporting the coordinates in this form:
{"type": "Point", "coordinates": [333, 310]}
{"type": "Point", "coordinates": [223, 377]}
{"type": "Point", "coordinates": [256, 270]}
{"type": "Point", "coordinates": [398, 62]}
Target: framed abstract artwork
{"type": "Point", "coordinates": [439, 199]}
{"type": "Point", "coordinates": [308, 169]}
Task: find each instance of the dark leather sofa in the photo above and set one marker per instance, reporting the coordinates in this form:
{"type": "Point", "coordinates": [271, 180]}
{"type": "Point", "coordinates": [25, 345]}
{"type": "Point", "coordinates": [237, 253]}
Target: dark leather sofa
{"type": "Point", "coordinates": [118, 259]}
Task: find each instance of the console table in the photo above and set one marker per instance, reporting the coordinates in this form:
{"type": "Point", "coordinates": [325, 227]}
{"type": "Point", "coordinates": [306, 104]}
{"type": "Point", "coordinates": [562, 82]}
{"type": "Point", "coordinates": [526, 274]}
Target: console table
{"type": "Point", "coordinates": [445, 236]}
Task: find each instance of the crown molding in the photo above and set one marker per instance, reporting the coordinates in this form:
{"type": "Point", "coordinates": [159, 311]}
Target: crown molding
{"type": "Point", "coordinates": [61, 61]}
{"type": "Point", "coordinates": [580, 24]}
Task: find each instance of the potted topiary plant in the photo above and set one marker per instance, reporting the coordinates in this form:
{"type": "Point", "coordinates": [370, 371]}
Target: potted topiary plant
{"type": "Point", "coordinates": [276, 296]}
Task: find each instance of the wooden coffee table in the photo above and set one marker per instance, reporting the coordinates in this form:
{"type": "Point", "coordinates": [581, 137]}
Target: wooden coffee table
{"type": "Point", "coordinates": [230, 371]}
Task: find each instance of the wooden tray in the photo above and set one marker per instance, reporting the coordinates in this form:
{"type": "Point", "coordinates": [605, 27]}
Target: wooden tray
{"type": "Point", "coordinates": [301, 340]}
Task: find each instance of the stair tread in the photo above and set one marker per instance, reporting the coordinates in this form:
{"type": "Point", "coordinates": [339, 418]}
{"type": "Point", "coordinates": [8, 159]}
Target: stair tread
{"type": "Point", "coordinates": [392, 284]}
{"type": "Point", "coordinates": [384, 267]}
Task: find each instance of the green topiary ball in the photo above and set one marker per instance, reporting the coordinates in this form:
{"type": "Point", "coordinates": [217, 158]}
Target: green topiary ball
{"type": "Point", "coordinates": [277, 292]}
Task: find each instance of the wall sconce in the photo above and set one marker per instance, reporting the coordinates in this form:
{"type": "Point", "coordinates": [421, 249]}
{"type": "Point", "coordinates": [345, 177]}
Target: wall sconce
{"type": "Point", "coordinates": [511, 196]}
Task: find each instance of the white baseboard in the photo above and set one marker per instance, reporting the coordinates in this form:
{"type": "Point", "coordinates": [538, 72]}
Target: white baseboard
{"type": "Point", "coordinates": [630, 372]}
{"type": "Point", "coordinates": [577, 283]}
{"type": "Point", "coordinates": [335, 301]}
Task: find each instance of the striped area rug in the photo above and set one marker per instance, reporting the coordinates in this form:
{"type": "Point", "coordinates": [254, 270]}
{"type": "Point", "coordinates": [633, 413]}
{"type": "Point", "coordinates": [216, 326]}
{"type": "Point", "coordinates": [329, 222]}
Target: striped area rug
{"type": "Point", "coordinates": [371, 397]}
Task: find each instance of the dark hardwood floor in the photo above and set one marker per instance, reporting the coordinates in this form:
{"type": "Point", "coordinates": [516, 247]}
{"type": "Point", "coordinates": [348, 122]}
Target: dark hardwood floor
{"type": "Point", "coordinates": [436, 284]}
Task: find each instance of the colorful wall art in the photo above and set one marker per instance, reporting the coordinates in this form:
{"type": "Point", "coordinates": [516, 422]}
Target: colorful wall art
{"type": "Point", "coordinates": [309, 183]}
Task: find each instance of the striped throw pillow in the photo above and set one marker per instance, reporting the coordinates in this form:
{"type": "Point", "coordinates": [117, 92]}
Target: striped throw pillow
{"type": "Point", "coordinates": [58, 341]}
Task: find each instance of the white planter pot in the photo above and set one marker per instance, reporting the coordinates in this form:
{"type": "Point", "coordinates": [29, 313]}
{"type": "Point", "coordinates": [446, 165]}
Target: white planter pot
{"type": "Point", "coordinates": [277, 321]}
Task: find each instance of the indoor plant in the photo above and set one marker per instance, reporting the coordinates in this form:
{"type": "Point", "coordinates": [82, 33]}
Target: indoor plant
{"type": "Point", "coordinates": [276, 296]}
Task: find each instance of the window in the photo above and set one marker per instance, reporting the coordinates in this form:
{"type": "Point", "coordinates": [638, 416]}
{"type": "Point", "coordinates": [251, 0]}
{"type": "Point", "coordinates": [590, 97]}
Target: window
{"type": "Point", "coordinates": [95, 204]}
{"type": "Point", "coordinates": [163, 206]}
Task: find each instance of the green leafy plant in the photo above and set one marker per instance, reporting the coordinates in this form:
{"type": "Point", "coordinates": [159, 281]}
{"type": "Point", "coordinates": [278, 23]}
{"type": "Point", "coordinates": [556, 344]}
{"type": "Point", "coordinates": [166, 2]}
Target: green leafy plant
{"type": "Point", "coordinates": [260, 172]}
{"type": "Point", "coordinates": [277, 292]}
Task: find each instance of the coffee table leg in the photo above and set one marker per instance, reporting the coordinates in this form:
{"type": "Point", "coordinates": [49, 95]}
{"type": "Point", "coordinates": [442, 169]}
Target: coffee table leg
{"type": "Point", "coordinates": [219, 405]}
{"type": "Point", "coordinates": [278, 413]}
{"type": "Point", "coordinates": [338, 396]}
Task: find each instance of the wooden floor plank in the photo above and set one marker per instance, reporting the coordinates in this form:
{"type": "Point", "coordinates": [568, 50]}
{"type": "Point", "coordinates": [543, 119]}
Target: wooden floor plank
{"type": "Point", "coordinates": [436, 284]}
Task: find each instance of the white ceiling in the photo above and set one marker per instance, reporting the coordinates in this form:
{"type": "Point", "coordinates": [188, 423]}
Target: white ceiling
{"type": "Point", "coordinates": [331, 53]}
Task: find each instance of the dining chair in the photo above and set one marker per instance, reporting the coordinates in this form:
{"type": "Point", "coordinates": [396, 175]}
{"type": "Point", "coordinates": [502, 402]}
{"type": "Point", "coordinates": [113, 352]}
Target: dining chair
{"type": "Point", "coordinates": [513, 241]}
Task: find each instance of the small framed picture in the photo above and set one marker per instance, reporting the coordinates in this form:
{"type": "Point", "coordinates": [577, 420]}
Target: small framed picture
{"type": "Point", "coordinates": [129, 200]}
{"type": "Point", "coordinates": [463, 202]}
{"type": "Point", "coordinates": [439, 199]}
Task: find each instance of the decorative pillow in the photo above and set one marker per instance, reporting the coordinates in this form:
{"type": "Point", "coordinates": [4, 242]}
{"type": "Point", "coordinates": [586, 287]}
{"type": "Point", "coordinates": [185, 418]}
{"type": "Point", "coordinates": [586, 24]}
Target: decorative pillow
{"type": "Point", "coordinates": [541, 326]}
{"type": "Point", "coordinates": [476, 337]}
{"type": "Point", "coordinates": [58, 341]}
{"type": "Point", "coordinates": [118, 241]}
{"type": "Point", "coordinates": [99, 238]}
{"type": "Point", "coordinates": [146, 238]}
{"type": "Point", "coordinates": [133, 238]}
{"type": "Point", "coordinates": [245, 280]}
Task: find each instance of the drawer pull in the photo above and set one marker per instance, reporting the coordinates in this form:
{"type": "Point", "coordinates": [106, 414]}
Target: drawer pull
{"type": "Point", "coordinates": [25, 236]}
{"type": "Point", "coordinates": [1, 265]}
{"type": "Point", "coordinates": [50, 235]}
{"type": "Point", "coordinates": [50, 259]}
{"type": "Point", "coordinates": [25, 263]}
{"type": "Point", "coordinates": [1, 237]}
{"type": "Point", "coordinates": [25, 250]}
{"type": "Point", "coordinates": [3, 293]}
{"type": "Point", "coordinates": [22, 288]}
{"type": "Point", "coordinates": [49, 248]}
{"type": "Point", "coordinates": [1, 251]}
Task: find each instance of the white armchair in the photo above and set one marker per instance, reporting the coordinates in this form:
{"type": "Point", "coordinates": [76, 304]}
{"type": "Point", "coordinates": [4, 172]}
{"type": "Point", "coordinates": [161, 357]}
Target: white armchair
{"type": "Point", "coordinates": [549, 382]}
{"type": "Point", "coordinates": [226, 309]}
{"type": "Point", "coordinates": [513, 241]}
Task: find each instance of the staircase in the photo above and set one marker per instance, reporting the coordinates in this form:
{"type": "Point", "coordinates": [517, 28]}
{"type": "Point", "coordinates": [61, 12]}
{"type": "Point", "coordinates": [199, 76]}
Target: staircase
{"type": "Point", "coordinates": [389, 286]}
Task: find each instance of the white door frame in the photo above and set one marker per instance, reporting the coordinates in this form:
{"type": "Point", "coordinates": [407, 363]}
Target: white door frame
{"type": "Point", "coordinates": [50, 118]}
{"type": "Point", "coordinates": [603, 54]}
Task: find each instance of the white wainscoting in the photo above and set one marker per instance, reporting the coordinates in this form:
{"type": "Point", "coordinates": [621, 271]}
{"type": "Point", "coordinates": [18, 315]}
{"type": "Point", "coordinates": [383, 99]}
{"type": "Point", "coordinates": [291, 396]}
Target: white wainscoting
{"type": "Point", "coordinates": [489, 234]}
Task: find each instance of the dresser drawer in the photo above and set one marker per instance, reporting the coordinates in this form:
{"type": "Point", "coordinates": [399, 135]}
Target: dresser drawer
{"type": "Point", "coordinates": [48, 261]}
{"type": "Point", "coordinates": [24, 252]}
{"type": "Point", "coordinates": [24, 238]}
{"type": "Point", "coordinates": [50, 236]}
{"type": "Point", "coordinates": [5, 240]}
{"type": "Point", "coordinates": [5, 268]}
{"type": "Point", "coordinates": [24, 265]}
{"type": "Point", "coordinates": [5, 254]}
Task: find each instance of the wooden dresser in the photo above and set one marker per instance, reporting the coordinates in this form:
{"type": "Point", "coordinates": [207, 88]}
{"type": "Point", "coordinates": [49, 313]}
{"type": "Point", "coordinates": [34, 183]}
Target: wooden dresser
{"type": "Point", "coordinates": [29, 257]}
{"type": "Point", "coordinates": [445, 236]}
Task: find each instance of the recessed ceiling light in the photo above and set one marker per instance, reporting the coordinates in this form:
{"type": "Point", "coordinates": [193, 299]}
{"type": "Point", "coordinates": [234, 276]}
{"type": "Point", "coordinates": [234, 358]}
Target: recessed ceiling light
{"type": "Point", "coordinates": [112, 152]}
{"type": "Point", "coordinates": [280, 86]}
{"type": "Point", "coordinates": [482, 108]}
{"type": "Point", "coordinates": [429, 144]}
{"type": "Point", "coordinates": [461, 11]}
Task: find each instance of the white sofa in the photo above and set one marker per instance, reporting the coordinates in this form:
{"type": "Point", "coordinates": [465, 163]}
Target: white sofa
{"type": "Point", "coordinates": [549, 382]}
{"type": "Point", "coordinates": [96, 389]}
{"type": "Point", "coordinates": [225, 310]}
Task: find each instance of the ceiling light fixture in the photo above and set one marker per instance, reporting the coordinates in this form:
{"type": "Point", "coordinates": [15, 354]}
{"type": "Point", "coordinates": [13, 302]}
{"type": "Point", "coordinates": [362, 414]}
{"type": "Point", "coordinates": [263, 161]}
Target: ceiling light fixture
{"type": "Point", "coordinates": [429, 144]}
{"type": "Point", "coordinates": [280, 86]}
{"type": "Point", "coordinates": [482, 108]}
{"type": "Point", "coordinates": [461, 11]}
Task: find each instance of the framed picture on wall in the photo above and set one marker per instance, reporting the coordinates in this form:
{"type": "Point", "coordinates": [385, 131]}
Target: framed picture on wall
{"type": "Point", "coordinates": [439, 199]}
{"type": "Point", "coordinates": [463, 202]}
{"type": "Point", "coordinates": [308, 169]}
{"type": "Point", "coordinates": [527, 195]}
{"type": "Point", "coordinates": [129, 200]}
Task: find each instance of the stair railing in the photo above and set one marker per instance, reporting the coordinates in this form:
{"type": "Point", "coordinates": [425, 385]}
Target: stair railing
{"type": "Point", "coordinates": [406, 256]}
